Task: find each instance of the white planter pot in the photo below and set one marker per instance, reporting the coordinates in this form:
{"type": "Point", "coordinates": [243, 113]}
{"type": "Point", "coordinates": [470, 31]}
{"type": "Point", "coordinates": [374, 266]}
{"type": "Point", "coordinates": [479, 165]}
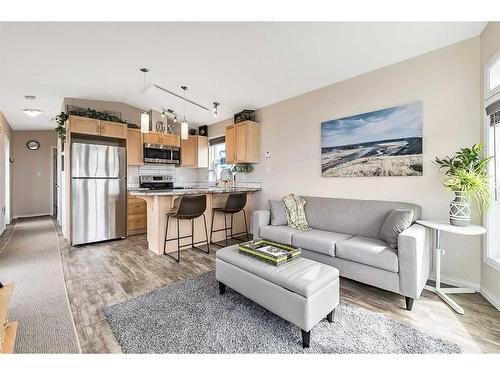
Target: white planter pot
{"type": "Point", "coordinates": [460, 210]}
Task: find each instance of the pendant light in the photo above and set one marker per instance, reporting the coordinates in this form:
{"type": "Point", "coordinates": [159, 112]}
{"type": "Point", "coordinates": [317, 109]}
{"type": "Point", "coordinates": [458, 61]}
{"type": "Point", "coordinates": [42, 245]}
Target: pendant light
{"type": "Point", "coordinates": [184, 124]}
{"type": "Point", "coordinates": [144, 122]}
{"type": "Point", "coordinates": [144, 115]}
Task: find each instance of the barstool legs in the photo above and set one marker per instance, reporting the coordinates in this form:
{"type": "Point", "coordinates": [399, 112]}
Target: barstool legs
{"type": "Point", "coordinates": [178, 238]}
{"type": "Point", "coordinates": [226, 228]}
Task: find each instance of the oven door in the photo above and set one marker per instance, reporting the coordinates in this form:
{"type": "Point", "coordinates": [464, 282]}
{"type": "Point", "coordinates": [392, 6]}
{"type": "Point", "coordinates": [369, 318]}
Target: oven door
{"type": "Point", "coordinates": [157, 154]}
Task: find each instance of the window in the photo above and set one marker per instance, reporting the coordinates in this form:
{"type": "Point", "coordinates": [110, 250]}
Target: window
{"type": "Point", "coordinates": [217, 155]}
{"type": "Point", "coordinates": [492, 215]}
{"type": "Point", "coordinates": [492, 72]}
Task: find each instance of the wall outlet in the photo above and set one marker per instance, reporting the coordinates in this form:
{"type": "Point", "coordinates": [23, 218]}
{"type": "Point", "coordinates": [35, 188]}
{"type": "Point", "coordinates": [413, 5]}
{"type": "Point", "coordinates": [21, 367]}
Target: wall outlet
{"type": "Point", "coordinates": [39, 174]}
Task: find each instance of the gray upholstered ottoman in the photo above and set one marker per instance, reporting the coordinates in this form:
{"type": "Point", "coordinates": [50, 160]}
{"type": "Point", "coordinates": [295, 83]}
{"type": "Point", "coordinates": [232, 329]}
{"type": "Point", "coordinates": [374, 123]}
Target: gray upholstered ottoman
{"type": "Point", "coordinates": [302, 292]}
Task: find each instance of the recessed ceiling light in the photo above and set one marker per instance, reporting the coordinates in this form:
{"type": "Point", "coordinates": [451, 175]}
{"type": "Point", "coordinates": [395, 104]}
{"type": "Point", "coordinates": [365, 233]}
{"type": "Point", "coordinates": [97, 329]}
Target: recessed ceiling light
{"type": "Point", "coordinates": [32, 112]}
{"type": "Point", "coordinates": [29, 97]}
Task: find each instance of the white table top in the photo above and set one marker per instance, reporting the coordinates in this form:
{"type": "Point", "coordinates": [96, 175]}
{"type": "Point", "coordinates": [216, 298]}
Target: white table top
{"type": "Point", "coordinates": [470, 230]}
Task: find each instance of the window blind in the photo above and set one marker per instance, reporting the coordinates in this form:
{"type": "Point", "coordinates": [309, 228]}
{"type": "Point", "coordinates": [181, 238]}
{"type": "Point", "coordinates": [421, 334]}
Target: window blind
{"type": "Point", "coordinates": [217, 141]}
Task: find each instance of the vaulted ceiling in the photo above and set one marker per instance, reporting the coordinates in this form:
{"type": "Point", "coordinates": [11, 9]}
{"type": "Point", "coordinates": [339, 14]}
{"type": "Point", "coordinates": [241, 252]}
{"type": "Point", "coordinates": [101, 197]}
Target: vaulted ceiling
{"type": "Point", "coordinates": [240, 65]}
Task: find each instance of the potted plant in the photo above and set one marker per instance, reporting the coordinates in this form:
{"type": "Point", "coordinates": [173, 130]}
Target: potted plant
{"type": "Point", "coordinates": [61, 119]}
{"type": "Point", "coordinates": [467, 176]}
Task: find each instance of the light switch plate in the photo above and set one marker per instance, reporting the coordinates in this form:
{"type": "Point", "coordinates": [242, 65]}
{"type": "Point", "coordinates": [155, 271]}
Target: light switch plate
{"type": "Point", "coordinates": [267, 154]}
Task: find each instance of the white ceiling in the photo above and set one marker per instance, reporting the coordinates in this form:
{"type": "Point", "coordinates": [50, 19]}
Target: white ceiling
{"type": "Point", "coordinates": [241, 65]}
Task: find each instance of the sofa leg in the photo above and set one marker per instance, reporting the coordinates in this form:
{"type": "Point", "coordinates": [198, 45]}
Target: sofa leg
{"type": "Point", "coordinates": [222, 288]}
{"type": "Point", "coordinates": [306, 338]}
{"type": "Point", "coordinates": [409, 303]}
{"type": "Point", "coordinates": [330, 316]}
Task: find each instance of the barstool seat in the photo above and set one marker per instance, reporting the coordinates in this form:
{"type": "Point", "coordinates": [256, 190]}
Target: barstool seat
{"type": "Point", "coordinates": [189, 207]}
{"type": "Point", "coordinates": [235, 203]}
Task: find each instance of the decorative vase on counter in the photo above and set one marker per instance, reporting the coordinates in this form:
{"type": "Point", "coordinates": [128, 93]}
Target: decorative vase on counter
{"type": "Point", "coordinates": [460, 210]}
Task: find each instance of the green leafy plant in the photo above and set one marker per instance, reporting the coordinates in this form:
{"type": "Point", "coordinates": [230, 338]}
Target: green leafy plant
{"type": "Point", "coordinates": [61, 119]}
{"type": "Point", "coordinates": [467, 172]}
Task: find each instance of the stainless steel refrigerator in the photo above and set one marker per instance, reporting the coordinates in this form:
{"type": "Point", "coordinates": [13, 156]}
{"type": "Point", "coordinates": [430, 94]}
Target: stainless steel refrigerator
{"type": "Point", "coordinates": [98, 191]}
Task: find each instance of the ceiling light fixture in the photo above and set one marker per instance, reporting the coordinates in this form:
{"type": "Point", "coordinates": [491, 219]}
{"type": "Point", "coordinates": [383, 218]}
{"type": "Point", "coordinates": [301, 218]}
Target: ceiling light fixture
{"type": "Point", "coordinates": [29, 97]}
{"type": "Point", "coordinates": [163, 114]}
{"type": "Point", "coordinates": [32, 112]}
{"type": "Point", "coordinates": [184, 124]}
{"type": "Point", "coordinates": [171, 111]}
{"type": "Point", "coordinates": [144, 122]}
{"type": "Point", "coordinates": [215, 108]}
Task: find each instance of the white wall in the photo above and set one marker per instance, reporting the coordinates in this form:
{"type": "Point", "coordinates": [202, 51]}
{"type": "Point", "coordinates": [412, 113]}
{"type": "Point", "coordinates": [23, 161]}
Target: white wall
{"type": "Point", "coordinates": [445, 80]}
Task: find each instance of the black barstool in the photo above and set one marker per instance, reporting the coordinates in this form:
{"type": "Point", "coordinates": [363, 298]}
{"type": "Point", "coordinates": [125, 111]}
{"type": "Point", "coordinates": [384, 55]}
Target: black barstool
{"type": "Point", "coordinates": [189, 207]}
{"type": "Point", "coordinates": [235, 203]}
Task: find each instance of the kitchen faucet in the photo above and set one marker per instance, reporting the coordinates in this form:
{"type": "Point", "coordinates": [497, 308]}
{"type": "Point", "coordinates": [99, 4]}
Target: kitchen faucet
{"type": "Point", "coordinates": [208, 174]}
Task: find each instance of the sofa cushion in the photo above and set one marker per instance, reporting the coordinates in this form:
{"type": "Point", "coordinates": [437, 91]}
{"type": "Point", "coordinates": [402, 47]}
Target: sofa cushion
{"type": "Point", "coordinates": [397, 221]}
{"type": "Point", "coordinates": [352, 216]}
{"type": "Point", "coordinates": [318, 240]}
{"type": "Point", "coordinates": [278, 212]}
{"type": "Point", "coordinates": [302, 276]}
{"type": "Point", "coordinates": [369, 251]}
{"type": "Point", "coordinates": [279, 233]}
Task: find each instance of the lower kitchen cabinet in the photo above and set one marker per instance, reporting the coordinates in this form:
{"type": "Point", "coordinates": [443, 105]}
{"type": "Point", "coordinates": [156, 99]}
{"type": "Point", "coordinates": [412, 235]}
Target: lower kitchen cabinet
{"type": "Point", "coordinates": [137, 216]}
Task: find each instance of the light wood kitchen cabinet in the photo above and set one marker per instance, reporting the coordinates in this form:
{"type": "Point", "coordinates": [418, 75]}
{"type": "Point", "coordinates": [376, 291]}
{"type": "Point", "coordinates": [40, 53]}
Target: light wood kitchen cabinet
{"type": "Point", "coordinates": [84, 125]}
{"type": "Point", "coordinates": [113, 129]}
{"type": "Point", "coordinates": [137, 216]}
{"type": "Point", "coordinates": [162, 139]}
{"type": "Point", "coordinates": [243, 142]}
{"type": "Point", "coordinates": [194, 152]}
{"type": "Point", "coordinates": [90, 126]}
{"type": "Point", "coordinates": [134, 147]}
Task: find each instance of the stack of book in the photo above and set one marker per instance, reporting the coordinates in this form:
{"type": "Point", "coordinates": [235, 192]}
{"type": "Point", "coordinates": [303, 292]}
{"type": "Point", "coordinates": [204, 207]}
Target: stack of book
{"type": "Point", "coordinates": [271, 252]}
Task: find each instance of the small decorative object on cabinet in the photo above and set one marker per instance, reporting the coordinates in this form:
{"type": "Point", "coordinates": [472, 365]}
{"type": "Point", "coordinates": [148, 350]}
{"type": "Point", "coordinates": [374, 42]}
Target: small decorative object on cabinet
{"type": "Point", "coordinates": [160, 127]}
{"type": "Point", "coordinates": [467, 176]}
{"type": "Point", "coordinates": [192, 131]}
{"type": "Point", "coordinates": [61, 126]}
{"type": "Point", "coordinates": [203, 130]}
{"type": "Point", "coordinates": [245, 115]}
{"type": "Point", "coordinates": [243, 143]}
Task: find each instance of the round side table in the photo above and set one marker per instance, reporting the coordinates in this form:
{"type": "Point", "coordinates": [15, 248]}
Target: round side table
{"type": "Point", "coordinates": [437, 227]}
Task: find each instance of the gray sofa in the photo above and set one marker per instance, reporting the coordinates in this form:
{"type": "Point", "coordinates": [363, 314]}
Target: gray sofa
{"type": "Point", "coordinates": [345, 234]}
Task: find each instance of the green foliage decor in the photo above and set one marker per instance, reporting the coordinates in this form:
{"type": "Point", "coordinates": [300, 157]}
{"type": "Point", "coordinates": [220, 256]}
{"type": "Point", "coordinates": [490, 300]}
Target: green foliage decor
{"type": "Point", "coordinates": [61, 119]}
{"type": "Point", "coordinates": [467, 172]}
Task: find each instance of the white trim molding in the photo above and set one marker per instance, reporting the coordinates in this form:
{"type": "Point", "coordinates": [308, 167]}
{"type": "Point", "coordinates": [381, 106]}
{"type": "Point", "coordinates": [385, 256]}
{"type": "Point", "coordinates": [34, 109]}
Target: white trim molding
{"type": "Point", "coordinates": [453, 281]}
{"type": "Point", "coordinates": [490, 297]}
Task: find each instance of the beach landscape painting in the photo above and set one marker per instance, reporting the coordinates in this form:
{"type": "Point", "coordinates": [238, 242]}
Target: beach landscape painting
{"type": "Point", "coordinates": [387, 142]}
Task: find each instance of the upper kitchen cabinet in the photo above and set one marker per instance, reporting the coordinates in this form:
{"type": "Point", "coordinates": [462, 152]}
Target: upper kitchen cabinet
{"type": "Point", "coordinates": [134, 147]}
{"type": "Point", "coordinates": [243, 142]}
{"type": "Point", "coordinates": [194, 152]}
{"type": "Point", "coordinates": [90, 126]}
{"type": "Point", "coordinates": [162, 139]}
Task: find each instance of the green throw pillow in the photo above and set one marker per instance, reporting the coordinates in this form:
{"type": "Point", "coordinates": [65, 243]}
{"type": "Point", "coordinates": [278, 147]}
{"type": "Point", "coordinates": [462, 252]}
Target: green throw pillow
{"type": "Point", "coordinates": [295, 215]}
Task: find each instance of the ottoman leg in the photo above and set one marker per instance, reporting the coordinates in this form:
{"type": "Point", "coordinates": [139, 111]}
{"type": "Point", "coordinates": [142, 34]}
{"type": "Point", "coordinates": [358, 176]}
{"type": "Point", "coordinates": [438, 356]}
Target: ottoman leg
{"type": "Point", "coordinates": [330, 316]}
{"type": "Point", "coordinates": [222, 288]}
{"type": "Point", "coordinates": [306, 338]}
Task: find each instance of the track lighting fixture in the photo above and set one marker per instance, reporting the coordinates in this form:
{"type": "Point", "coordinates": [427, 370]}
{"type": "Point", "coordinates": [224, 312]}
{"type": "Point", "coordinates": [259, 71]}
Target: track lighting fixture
{"type": "Point", "coordinates": [163, 114]}
{"type": "Point", "coordinates": [215, 108]}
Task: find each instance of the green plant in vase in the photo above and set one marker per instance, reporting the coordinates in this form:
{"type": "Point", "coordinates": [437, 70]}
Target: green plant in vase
{"type": "Point", "coordinates": [467, 176]}
{"type": "Point", "coordinates": [61, 119]}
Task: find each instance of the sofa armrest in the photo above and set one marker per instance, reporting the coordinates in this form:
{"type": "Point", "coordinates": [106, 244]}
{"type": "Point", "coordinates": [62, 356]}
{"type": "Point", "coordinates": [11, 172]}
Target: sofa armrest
{"type": "Point", "coordinates": [414, 260]}
{"type": "Point", "coordinates": [259, 219]}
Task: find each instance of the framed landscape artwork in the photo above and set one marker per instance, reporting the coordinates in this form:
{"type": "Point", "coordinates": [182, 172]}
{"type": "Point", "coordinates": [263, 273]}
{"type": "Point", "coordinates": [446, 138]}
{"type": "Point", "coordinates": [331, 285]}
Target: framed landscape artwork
{"type": "Point", "coordinates": [387, 142]}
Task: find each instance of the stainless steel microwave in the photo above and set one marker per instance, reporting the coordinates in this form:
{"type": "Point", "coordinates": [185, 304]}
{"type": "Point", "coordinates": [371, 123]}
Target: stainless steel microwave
{"type": "Point", "coordinates": [161, 154]}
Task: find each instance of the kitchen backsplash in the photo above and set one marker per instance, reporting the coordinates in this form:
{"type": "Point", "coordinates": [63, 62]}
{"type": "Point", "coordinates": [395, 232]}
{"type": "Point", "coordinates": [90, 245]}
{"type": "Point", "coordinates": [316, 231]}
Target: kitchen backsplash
{"type": "Point", "coordinates": [182, 175]}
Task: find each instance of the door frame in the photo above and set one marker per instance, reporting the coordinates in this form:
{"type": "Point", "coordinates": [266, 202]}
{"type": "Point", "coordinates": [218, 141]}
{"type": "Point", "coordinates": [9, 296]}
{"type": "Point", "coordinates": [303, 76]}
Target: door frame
{"type": "Point", "coordinates": [53, 175]}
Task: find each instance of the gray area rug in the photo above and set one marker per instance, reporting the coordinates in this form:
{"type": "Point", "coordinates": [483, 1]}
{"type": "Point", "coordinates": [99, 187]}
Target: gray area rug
{"type": "Point", "coordinates": [191, 317]}
{"type": "Point", "coordinates": [32, 261]}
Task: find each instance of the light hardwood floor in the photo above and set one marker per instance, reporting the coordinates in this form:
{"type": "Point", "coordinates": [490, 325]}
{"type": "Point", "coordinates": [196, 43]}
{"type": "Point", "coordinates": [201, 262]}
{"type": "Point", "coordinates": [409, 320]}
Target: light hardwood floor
{"type": "Point", "coordinates": [103, 274]}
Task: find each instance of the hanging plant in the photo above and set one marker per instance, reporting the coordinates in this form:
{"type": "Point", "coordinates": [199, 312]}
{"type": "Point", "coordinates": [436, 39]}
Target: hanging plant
{"type": "Point", "coordinates": [61, 119]}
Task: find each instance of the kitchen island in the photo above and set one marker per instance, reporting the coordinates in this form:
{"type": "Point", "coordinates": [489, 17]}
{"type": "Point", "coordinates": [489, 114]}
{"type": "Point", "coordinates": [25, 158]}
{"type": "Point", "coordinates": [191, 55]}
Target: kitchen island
{"type": "Point", "coordinates": [160, 202]}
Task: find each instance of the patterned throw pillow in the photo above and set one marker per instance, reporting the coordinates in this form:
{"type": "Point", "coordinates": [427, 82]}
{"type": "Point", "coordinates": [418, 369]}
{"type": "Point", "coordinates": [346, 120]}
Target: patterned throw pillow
{"type": "Point", "coordinates": [295, 215]}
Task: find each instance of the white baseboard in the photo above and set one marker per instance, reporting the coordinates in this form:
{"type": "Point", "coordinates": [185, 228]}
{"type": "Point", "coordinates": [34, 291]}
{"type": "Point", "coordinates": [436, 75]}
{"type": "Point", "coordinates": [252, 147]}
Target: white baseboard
{"type": "Point", "coordinates": [457, 282]}
{"type": "Point", "coordinates": [490, 297]}
{"type": "Point", "coordinates": [28, 216]}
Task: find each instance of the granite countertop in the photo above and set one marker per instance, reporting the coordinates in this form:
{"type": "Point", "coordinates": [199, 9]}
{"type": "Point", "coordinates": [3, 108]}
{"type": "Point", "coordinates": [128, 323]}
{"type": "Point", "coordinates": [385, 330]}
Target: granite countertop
{"type": "Point", "coordinates": [187, 191]}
